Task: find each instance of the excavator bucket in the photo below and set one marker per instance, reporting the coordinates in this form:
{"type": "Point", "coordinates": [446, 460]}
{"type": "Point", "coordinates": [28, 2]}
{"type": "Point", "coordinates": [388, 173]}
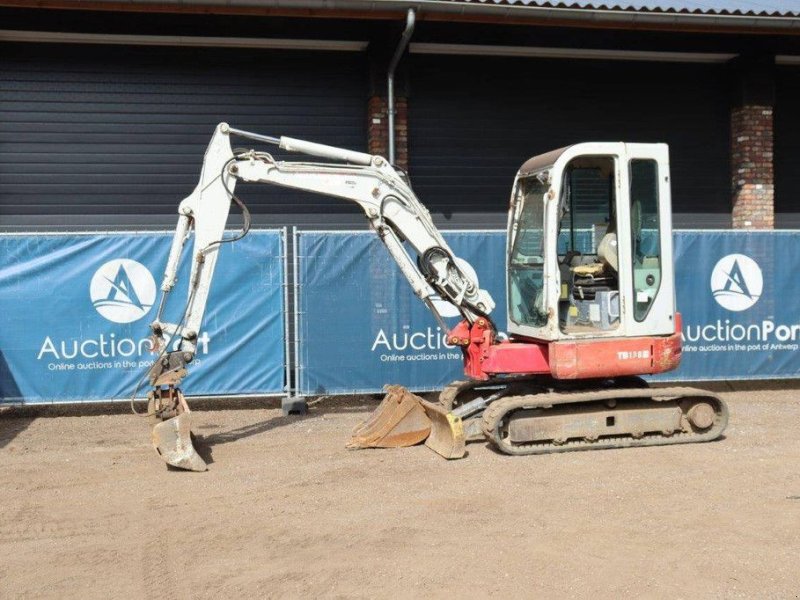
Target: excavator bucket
{"type": "Point", "coordinates": [404, 419]}
{"type": "Point", "coordinates": [172, 437]}
{"type": "Point", "coordinates": [447, 431]}
{"type": "Point", "coordinates": [399, 421]}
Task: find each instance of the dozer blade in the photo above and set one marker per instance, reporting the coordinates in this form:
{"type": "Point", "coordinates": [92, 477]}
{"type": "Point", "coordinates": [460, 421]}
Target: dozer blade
{"type": "Point", "coordinates": [172, 439]}
{"type": "Point", "coordinates": [447, 431]}
{"type": "Point", "coordinates": [399, 421]}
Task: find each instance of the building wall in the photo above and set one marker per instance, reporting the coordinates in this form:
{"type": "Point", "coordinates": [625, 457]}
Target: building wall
{"type": "Point", "coordinates": [114, 136]}
{"type": "Point", "coordinates": [787, 148]}
{"type": "Point", "coordinates": [107, 137]}
{"type": "Point", "coordinates": [475, 120]}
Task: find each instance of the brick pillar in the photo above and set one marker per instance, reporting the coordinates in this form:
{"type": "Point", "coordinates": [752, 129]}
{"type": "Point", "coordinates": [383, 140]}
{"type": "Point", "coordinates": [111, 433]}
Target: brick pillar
{"type": "Point", "coordinates": [752, 171]}
{"type": "Point", "coordinates": [752, 167]}
{"type": "Point", "coordinates": [401, 133]}
{"type": "Point", "coordinates": [378, 129]}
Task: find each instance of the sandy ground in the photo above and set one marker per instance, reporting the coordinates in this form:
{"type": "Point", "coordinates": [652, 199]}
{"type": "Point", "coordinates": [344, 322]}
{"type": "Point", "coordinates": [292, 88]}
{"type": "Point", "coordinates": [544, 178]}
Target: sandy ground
{"type": "Point", "coordinates": [89, 511]}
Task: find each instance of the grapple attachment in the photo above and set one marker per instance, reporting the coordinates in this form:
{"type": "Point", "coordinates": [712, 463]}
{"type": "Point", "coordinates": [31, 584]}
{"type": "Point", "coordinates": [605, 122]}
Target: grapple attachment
{"type": "Point", "coordinates": [172, 432]}
{"type": "Point", "coordinates": [404, 419]}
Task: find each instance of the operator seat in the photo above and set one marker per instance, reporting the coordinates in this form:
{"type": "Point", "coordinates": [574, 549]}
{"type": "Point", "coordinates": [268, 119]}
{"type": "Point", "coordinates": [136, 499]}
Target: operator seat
{"type": "Point", "coordinates": [607, 251]}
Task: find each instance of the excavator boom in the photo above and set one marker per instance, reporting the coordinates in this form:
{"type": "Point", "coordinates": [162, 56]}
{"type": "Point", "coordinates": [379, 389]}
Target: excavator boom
{"type": "Point", "coordinates": [393, 212]}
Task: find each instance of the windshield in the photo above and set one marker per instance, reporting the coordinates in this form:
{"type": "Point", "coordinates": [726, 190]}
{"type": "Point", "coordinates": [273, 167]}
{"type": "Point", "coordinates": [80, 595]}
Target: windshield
{"type": "Point", "coordinates": [526, 265]}
{"type": "Point", "coordinates": [529, 242]}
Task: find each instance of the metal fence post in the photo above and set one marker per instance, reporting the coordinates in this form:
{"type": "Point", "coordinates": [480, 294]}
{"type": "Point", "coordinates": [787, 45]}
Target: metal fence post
{"type": "Point", "coordinates": [292, 403]}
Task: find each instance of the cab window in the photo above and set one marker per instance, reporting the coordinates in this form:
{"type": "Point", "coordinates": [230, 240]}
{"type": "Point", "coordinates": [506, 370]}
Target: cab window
{"type": "Point", "coordinates": [645, 235]}
{"type": "Point", "coordinates": [526, 264]}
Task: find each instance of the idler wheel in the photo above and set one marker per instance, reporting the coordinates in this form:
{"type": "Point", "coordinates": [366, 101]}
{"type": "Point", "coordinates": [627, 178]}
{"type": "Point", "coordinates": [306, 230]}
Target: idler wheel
{"type": "Point", "coordinates": [701, 415]}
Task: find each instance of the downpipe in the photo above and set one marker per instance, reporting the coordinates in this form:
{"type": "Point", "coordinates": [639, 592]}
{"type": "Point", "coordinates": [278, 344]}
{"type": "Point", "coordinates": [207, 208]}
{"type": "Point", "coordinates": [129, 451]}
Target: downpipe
{"type": "Point", "coordinates": [401, 47]}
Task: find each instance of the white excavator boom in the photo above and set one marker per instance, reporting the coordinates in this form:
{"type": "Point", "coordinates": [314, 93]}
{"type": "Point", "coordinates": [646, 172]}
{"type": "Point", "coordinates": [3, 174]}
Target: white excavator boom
{"type": "Point", "coordinates": [391, 207]}
{"type": "Point", "coordinates": [393, 212]}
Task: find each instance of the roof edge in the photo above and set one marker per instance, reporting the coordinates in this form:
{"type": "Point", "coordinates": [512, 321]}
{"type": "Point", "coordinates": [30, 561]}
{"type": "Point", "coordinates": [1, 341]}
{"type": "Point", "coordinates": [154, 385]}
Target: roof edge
{"type": "Point", "coordinates": [445, 10]}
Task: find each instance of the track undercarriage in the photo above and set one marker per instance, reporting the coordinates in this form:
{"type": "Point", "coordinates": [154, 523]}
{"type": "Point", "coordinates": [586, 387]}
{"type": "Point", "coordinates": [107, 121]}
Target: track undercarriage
{"type": "Point", "coordinates": [522, 416]}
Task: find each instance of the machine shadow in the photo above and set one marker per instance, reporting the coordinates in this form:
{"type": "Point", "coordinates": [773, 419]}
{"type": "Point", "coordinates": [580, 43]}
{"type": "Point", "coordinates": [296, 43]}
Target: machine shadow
{"type": "Point", "coordinates": [11, 423]}
{"type": "Point", "coordinates": [716, 440]}
{"type": "Point", "coordinates": [11, 426]}
{"type": "Point", "coordinates": [204, 443]}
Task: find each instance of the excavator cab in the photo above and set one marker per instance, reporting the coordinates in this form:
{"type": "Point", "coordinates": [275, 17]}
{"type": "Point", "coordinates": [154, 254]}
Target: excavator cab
{"type": "Point", "coordinates": [589, 244]}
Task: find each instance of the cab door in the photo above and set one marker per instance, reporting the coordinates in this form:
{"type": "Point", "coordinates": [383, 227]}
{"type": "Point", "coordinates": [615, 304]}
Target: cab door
{"type": "Point", "coordinates": [646, 268]}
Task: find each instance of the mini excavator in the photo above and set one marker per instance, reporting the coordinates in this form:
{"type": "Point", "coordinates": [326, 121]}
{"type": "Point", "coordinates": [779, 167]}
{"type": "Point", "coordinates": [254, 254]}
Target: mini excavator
{"type": "Point", "coordinates": [590, 292]}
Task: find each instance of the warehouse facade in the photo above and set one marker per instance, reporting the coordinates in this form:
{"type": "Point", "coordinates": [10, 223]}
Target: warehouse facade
{"type": "Point", "coordinates": [106, 108]}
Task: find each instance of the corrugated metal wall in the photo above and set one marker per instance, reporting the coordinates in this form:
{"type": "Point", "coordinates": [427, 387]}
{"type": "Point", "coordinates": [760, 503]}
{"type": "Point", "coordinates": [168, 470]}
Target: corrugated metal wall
{"type": "Point", "coordinates": [113, 137]}
{"type": "Point", "coordinates": [475, 120]}
{"type": "Point", "coordinates": [787, 148]}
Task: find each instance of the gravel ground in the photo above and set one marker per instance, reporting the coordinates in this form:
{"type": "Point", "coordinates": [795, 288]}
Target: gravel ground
{"type": "Point", "coordinates": [89, 511]}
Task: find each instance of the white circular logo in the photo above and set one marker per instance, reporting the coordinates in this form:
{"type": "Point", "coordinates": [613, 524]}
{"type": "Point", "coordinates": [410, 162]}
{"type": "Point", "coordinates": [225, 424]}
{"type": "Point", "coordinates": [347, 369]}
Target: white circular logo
{"type": "Point", "coordinates": [736, 282]}
{"type": "Point", "coordinates": [123, 290]}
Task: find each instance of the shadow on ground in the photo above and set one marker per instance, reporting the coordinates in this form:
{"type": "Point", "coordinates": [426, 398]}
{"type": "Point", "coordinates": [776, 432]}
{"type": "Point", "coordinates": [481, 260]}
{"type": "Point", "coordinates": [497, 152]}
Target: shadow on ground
{"type": "Point", "coordinates": [11, 427]}
{"type": "Point", "coordinates": [204, 443]}
{"type": "Point", "coordinates": [16, 418]}
{"type": "Point", "coordinates": [318, 407]}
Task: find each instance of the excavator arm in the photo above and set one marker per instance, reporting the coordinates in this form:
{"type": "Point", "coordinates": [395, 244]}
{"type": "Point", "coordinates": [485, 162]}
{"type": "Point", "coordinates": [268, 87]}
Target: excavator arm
{"type": "Point", "coordinates": [391, 208]}
{"type": "Point", "coordinates": [394, 213]}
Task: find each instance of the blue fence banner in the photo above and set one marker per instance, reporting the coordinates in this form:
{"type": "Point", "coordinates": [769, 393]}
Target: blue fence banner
{"type": "Point", "coordinates": [76, 310]}
{"type": "Point", "coordinates": [360, 326]}
{"type": "Point", "coordinates": [737, 296]}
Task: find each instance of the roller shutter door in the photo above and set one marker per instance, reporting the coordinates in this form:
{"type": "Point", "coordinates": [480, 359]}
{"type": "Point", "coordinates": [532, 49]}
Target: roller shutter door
{"type": "Point", "coordinates": [787, 149]}
{"type": "Point", "coordinates": [475, 120]}
{"type": "Point", "coordinates": [113, 137]}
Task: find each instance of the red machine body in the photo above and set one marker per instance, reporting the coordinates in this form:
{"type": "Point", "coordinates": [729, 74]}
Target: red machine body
{"type": "Point", "coordinates": [485, 357]}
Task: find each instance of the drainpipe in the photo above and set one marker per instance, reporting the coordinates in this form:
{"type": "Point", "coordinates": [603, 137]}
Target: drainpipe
{"type": "Point", "coordinates": [401, 47]}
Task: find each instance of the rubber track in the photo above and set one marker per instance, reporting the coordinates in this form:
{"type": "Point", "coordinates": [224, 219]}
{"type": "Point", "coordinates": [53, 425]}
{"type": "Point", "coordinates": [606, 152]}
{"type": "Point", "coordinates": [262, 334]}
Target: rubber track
{"type": "Point", "coordinates": [451, 391]}
{"type": "Point", "coordinates": [449, 394]}
{"type": "Point", "coordinates": [499, 410]}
